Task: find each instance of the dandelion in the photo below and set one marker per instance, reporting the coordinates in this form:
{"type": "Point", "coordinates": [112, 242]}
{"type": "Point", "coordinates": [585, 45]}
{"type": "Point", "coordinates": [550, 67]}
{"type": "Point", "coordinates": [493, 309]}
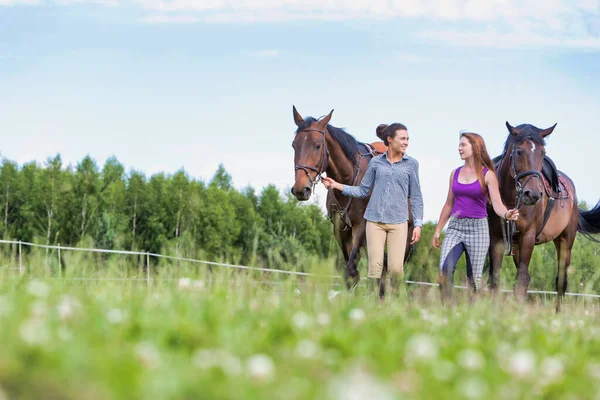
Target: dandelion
{"type": "Point", "coordinates": [38, 288]}
{"type": "Point", "coordinates": [333, 294]}
{"type": "Point", "coordinates": [593, 370]}
{"type": "Point", "coordinates": [147, 354]}
{"type": "Point", "coordinates": [473, 388]}
{"type": "Point", "coordinates": [260, 367]}
{"type": "Point", "coordinates": [357, 315]}
{"type": "Point", "coordinates": [66, 308]}
{"type": "Point", "coordinates": [301, 320]}
{"type": "Point", "coordinates": [552, 368]}
{"type": "Point", "coordinates": [34, 332]}
{"type": "Point", "coordinates": [420, 348]}
{"type": "Point", "coordinates": [471, 360]}
{"type": "Point", "coordinates": [307, 349]}
{"type": "Point", "coordinates": [357, 385]}
{"type": "Point", "coordinates": [323, 319]}
{"type": "Point", "coordinates": [184, 283]}
{"type": "Point", "coordinates": [521, 364]}
{"type": "Point", "coordinates": [218, 358]}
{"type": "Point", "coordinates": [115, 316]}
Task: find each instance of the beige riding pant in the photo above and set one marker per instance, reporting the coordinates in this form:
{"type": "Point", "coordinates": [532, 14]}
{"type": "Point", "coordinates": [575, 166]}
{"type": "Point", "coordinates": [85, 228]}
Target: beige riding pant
{"type": "Point", "coordinates": [378, 235]}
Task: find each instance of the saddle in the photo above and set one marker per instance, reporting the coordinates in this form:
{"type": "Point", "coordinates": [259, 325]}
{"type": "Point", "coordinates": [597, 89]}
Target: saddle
{"type": "Point", "coordinates": [377, 148]}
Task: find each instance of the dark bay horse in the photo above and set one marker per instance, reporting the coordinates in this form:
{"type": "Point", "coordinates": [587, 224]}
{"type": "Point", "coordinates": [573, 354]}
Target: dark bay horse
{"type": "Point", "coordinates": [322, 148]}
{"type": "Point", "coordinates": [548, 208]}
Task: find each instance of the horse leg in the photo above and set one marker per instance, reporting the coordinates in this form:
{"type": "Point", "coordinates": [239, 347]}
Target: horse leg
{"type": "Point", "coordinates": [522, 257]}
{"type": "Point", "coordinates": [382, 280]}
{"type": "Point", "coordinates": [358, 241]}
{"type": "Point", "coordinates": [563, 256]}
{"type": "Point", "coordinates": [496, 254]}
{"type": "Point", "coordinates": [344, 241]}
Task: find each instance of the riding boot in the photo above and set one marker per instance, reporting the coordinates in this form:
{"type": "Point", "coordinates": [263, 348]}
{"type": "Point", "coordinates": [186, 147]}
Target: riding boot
{"type": "Point", "coordinates": [398, 287]}
{"type": "Point", "coordinates": [446, 285]}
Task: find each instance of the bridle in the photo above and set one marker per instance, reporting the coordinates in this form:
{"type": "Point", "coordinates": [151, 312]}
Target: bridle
{"type": "Point", "coordinates": [529, 174]}
{"type": "Point", "coordinates": [510, 229]}
{"type": "Point", "coordinates": [321, 167]}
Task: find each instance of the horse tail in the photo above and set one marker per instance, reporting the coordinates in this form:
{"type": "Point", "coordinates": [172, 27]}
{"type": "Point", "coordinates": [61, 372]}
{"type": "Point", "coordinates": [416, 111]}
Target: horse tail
{"type": "Point", "coordinates": [589, 222]}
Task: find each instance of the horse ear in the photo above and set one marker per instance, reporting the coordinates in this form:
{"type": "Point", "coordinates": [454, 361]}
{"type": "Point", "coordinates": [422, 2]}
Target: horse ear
{"type": "Point", "coordinates": [323, 123]}
{"type": "Point", "coordinates": [512, 130]}
{"type": "Point", "coordinates": [548, 131]}
{"type": "Point", "coordinates": [297, 117]}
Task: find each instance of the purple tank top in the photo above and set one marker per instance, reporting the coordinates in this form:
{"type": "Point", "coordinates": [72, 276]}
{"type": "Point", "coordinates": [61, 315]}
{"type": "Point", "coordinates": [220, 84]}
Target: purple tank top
{"type": "Point", "coordinates": [469, 200]}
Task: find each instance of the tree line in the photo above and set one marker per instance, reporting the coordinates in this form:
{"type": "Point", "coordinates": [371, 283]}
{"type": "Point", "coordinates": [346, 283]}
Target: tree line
{"type": "Point", "coordinates": [107, 207]}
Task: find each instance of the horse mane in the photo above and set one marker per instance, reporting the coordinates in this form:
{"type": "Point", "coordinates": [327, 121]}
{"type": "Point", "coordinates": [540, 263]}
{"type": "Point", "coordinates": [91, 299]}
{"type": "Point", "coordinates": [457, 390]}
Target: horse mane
{"type": "Point", "coordinates": [347, 142]}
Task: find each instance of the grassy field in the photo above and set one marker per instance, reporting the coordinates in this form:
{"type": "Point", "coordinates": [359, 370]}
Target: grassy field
{"type": "Point", "coordinates": [228, 336]}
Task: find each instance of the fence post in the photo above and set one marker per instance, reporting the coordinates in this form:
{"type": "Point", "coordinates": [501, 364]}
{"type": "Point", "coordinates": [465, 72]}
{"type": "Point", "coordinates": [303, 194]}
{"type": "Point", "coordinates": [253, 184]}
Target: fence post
{"type": "Point", "coordinates": [148, 266]}
{"type": "Point", "coordinates": [20, 260]}
{"type": "Point", "coordinates": [59, 264]}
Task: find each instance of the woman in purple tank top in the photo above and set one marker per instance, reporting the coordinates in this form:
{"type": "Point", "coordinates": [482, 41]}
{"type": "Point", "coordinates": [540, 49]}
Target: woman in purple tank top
{"type": "Point", "coordinates": [471, 185]}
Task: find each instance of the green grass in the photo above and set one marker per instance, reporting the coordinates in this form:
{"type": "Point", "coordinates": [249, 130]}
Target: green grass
{"type": "Point", "coordinates": [227, 336]}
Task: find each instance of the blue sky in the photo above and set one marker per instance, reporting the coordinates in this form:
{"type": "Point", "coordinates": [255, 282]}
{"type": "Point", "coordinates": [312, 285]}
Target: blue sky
{"type": "Point", "coordinates": [191, 84]}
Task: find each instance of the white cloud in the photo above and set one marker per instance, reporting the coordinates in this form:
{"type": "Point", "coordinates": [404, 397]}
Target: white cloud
{"type": "Point", "coordinates": [171, 19]}
{"type": "Point", "coordinates": [492, 38]}
{"type": "Point", "coordinates": [482, 23]}
{"type": "Point", "coordinates": [18, 2]}
{"type": "Point", "coordinates": [265, 53]}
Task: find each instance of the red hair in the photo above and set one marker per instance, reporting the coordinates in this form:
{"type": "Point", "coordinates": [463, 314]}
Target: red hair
{"type": "Point", "coordinates": [481, 156]}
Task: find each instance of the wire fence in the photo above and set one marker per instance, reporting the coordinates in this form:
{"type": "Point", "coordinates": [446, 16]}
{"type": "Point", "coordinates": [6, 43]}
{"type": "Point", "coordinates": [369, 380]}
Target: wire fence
{"type": "Point", "coordinates": [148, 278]}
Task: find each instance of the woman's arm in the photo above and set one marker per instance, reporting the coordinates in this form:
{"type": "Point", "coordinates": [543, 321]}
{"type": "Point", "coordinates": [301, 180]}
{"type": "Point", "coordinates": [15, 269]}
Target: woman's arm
{"type": "Point", "coordinates": [445, 214]}
{"type": "Point", "coordinates": [362, 190]}
{"type": "Point", "coordinates": [499, 208]}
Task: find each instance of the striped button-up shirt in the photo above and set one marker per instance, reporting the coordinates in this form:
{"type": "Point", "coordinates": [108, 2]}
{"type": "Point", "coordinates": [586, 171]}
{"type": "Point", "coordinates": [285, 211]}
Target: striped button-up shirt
{"type": "Point", "coordinates": [392, 184]}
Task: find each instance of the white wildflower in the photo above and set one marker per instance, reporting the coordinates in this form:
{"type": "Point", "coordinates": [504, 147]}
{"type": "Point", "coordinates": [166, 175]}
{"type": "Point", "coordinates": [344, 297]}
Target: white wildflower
{"type": "Point", "coordinates": [471, 359]}
{"type": "Point", "coordinates": [420, 348]}
{"type": "Point", "coordinates": [473, 388]}
{"type": "Point", "coordinates": [38, 288]}
{"type": "Point", "coordinates": [357, 315]}
{"type": "Point", "coordinates": [260, 367]}
{"type": "Point", "coordinates": [593, 370]}
{"type": "Point", "coordinates": [67, 307]}
{"type": "Point", "coordinates": [358, 385]}
{"type": "Point", "coordinates": [302, 320]}
{"type": "Point", "coordinates": [34, 332]}
{"type": "Point", "coordinates": [115, 316]}
{"type": "Point", "coordinates": [147, 354]}
{"type": "Point", "coordinates": [184, 283]}
{"type": "Point", "coordinates": [218, 358]}
{"type": "Point", "coordinates": [323, 319]}
{"type": "Point", "coordinates": [552, 368]}
{"type": "Point", "coordinates": [521, 364]}
{"type": "Point", "coordinates": [198, 285]}
{"type": "Point", "coordinates": [307, 349]}
{"type": "Point", "coordinates": [333, 294]}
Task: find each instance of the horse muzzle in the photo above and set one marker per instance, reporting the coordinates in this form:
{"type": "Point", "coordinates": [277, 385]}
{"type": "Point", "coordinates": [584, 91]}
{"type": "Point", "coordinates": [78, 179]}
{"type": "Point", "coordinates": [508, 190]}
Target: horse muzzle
{"type": "Point", "coordinates": [531, 198]}
{"type": "Point", "coordinates": [303, 194]}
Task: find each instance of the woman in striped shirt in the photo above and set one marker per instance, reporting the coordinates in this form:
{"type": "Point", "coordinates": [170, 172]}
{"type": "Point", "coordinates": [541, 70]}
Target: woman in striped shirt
{"type": "Point", "coordinates": [393, 177]}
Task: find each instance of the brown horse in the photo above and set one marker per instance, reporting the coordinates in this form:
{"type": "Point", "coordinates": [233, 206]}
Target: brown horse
{"type": "Point", "coordinates": [318, 148]}
{"type": "Point", "coordinates": [547, 204]}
